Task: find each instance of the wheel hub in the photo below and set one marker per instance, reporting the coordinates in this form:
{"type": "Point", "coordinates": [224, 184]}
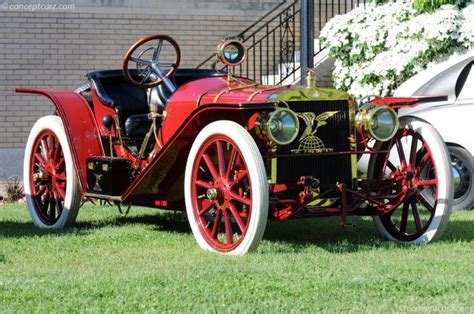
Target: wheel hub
{"type": "Point", "coordinates": [41, 176]}
{"type": "Point", "coordinates": [460, 177]}
{"type": "Point", "coordinates": [456, 178]}
{"type": "Point", "coordinates": [221, 191]}
{"type": "Point", "coordinates": [211, 194]}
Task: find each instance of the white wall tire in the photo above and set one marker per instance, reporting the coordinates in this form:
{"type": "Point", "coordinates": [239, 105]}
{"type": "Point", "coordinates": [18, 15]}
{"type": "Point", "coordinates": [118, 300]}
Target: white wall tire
{"type": "Point", "coordinates": [233, 196]}
{"type": "Point", "coordinates": [436, 197]}
{"type": "Point", "coordinates": [50, 181]}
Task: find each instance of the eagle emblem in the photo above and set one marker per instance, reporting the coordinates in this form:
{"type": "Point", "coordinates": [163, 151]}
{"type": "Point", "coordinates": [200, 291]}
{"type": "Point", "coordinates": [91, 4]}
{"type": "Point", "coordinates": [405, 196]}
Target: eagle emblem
{"type": "Point", "coordinates": [97, 186]}
{"type": "Point", "coordinates": [309, 142]}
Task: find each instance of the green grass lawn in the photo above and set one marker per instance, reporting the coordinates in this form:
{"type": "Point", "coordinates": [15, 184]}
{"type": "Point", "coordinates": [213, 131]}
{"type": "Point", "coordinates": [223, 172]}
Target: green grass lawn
{"type": "Point", "coordinates": [150, 261]}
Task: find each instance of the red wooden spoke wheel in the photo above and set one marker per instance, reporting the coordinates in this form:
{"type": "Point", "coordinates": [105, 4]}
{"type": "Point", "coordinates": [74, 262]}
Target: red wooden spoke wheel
{"type": "Point", "coordinates": [226, 189]}
{"type": "Point", "coordinates": [422, 193]}
{"type": "Point", "coordinates": [48, 177]}
{"type": "Point", "coordinates": [221, 190]}
{"type": "Point", "coordinates": [50, 183]}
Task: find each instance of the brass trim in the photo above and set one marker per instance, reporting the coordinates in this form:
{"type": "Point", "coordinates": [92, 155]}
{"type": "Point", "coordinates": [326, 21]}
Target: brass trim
{"type": "Point", "coordinates": [310, 78]}
{"type": "Point", "coordinates": [273, 175]}
{"type": "Point", "coordinates": [265, 90]}
{"type": "Point", "coordinates": [353, 135]}
{"type": "Point", "coordinates": [309, 117]}
{"type": "Point", "coordinates": [198, 101]}
{"type": "Point", "coordinates": [119, 131]}
{"type": "Point", "coordinates": [354, 166]}
{"type": "Point", "coordinates": [231, 89]}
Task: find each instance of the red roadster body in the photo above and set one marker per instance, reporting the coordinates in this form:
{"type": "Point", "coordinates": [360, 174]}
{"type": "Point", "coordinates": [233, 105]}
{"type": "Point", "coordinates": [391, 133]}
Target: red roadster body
{"type": "Point", "coordinates": [232, 152]}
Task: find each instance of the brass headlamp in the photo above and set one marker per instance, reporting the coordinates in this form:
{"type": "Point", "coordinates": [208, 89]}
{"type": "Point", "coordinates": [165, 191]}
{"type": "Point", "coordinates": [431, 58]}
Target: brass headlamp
{"type": "Point", "coordinates": [379, 122]}
{"type": "Point", "coordinates": [280, 126]}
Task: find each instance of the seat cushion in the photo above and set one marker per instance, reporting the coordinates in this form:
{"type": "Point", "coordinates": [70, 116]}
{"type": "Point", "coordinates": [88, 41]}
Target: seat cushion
{"type": "Point", "coordinates": [137, 126]}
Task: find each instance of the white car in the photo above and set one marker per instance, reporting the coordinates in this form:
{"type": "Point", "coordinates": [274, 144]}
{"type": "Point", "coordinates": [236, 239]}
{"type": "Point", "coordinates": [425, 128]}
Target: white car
{"type": "Point", "coordinates": [454, 118]}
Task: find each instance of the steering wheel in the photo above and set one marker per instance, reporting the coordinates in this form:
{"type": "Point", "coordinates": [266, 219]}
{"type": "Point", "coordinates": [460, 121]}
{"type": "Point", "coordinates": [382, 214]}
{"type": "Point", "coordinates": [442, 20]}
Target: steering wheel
{"type": "Point", "coordinates": [145, 53]}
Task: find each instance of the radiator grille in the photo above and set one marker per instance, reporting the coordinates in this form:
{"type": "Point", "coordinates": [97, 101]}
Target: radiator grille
{"type": "Point", "coordinates": [334, 135]}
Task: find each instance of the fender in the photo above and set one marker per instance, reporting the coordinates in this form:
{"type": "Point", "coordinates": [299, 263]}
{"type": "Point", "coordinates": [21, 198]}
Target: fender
{"type": "Point", "coordinates": [163, 178]}
{"type": "Point", "coordinates": [80, 126]}
{"type": "Point", "coordinates": [407, 102]}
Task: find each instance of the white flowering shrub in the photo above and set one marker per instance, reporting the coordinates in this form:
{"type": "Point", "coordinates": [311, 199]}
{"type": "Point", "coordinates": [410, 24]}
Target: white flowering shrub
{"type": "Point", "coordinates": [378, 47]}
{"type": "Point", "coordinates": [467, 28]}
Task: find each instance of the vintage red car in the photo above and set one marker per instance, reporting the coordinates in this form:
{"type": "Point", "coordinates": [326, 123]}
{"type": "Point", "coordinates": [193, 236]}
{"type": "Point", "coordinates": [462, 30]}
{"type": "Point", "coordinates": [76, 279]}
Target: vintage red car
{"type": "Point", "coordinates": [233, 153]}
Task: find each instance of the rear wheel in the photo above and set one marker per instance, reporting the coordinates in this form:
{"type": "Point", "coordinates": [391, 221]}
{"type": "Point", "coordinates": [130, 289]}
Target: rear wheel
{"type": "Point", "coordinates": [51, 186]}
{"type": "Point", "coordinates": [226, 189]}
{"type": "Point", "coordinates": [463, 177]}
{"type": "Point", "coordinates": [419, 164]}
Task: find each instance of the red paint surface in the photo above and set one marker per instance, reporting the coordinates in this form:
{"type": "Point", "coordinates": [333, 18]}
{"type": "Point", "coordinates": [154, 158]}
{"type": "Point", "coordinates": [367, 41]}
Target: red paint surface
{"type": "Point", "coordinates": [162, 177]}
{"type": "Point", "coordinates": [185, 100]}
{"type": "Point", "coordinates": [401, 102]}
{"type": "Point", "coordinates": [101, 110]}
{"type": "Point", "coordinates": [80, 126]}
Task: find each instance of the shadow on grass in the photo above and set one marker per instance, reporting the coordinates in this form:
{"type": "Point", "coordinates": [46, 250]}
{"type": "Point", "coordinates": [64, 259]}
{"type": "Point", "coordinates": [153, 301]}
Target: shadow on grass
{"type": "Point", "coordinates": [168, 221]}
{"type": "Point", "coordinates": [327, 234]}
{"type": "Point", "coordinates": [162, 221]}
{"type": "Point", "coordinates": [15, 229]}
{"type": "Point", "coordinates": [324, 233]}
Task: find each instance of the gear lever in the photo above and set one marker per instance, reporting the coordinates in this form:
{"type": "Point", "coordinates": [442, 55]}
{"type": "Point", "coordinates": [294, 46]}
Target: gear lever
{"type": "Point", "coordinates": [108, 121]}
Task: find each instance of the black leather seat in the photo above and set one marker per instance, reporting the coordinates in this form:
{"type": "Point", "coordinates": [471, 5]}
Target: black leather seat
{"type": "Point", "coordinates": [130, 101]}
{"type": "Point", "coordinates": [138, 125]}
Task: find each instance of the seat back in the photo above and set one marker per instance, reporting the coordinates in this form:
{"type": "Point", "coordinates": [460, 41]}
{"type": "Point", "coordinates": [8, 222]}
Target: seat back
{"type": "Point", "coordinates": [113, 91]}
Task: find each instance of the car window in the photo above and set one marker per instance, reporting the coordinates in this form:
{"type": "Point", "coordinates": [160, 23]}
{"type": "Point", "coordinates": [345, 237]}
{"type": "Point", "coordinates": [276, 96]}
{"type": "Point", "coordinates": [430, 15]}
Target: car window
{"type": "Point", "coordinates": [467, 91]}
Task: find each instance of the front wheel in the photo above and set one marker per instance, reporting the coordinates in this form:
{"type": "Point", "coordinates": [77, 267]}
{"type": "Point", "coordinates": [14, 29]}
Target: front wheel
{"type": "Point", "coordinates": [226, 189]}
{"type": "Point", "coordinates": [419, 165]}
{"type": "Point", "coordinates": [50, 180]}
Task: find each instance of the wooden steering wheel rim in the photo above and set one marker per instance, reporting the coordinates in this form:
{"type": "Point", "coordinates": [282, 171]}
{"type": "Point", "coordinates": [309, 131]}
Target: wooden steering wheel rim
{"type": "Point", "coordinates": [138, 43]}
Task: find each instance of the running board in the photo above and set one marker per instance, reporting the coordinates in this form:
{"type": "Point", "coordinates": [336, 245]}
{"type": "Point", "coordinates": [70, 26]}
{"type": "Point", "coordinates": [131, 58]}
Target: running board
{"type": "Point", "coordinates": [104, 197]}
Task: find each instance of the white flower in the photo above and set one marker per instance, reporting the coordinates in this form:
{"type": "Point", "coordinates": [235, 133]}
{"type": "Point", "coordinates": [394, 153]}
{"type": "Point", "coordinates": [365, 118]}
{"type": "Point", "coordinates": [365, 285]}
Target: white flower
{"type": "Point", "coordinates": [467, 28]}
{"type": "Point", "coordinates": [377, 47]}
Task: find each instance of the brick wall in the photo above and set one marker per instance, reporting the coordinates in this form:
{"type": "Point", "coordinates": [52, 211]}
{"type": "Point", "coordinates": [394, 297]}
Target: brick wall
{"type": "Point", "coordinates": [56, 49]}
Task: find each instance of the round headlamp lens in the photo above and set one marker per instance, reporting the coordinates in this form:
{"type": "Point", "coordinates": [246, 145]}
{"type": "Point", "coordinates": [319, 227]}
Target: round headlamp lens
{"type": "Point", "coordinates": [232, 52]}
{"type": "Point", "coordinates": [383, 124]}
{"type": "Point", "coordinates": [283, 126]}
